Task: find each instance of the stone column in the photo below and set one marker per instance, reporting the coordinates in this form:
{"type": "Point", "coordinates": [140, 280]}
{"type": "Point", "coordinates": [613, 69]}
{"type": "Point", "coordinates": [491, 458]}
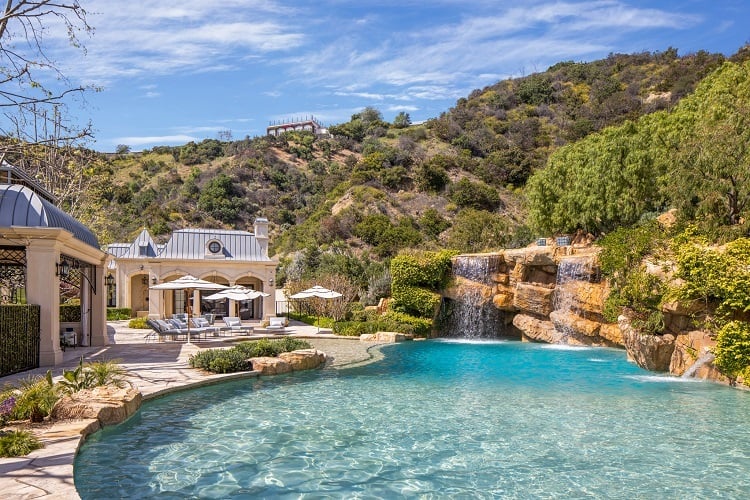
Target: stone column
{"type": "Point", "coordinates": [43, 288]}
{"type": "Point", "coordinates": [99, 335]}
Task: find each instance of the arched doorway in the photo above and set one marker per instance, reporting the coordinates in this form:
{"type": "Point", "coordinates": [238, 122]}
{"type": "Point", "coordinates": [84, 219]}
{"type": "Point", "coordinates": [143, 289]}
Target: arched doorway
{"type": "Point", "coordinates": [139, 294]}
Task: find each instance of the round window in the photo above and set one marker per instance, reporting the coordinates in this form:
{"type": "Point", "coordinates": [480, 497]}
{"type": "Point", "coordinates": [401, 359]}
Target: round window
{"type": "Point", "coordinates": [214, 247]}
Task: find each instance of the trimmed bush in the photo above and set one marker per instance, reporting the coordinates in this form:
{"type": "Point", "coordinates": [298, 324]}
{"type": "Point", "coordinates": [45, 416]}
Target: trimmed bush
{"type": "Point", "coordinates": [416, 277]}
{"type": "Point", "coordinates": [19, 342]}
{"type": "Point", "coordinates": [70, 313]}
{"type": "Point", "coordinates": [421, 326]}
{"type": "Point", "coordinates": [138, 323]}
{"type": "Point", "coordinates": [118, 313]}
{"type": "Point", "coordinates": [236, 358]}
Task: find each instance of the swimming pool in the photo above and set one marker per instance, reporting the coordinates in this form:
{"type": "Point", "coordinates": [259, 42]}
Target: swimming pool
{"type": "Point", "coordinates": [440, 419]}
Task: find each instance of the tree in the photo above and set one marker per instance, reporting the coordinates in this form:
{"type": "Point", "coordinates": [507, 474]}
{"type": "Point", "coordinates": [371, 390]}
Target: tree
{"type": "Point", "coordinates": [402, 120]}
{"type": "Point", "coordinates": [478, 195]}
{"type": "Point", "coordinates": [39, 136]}
{"type": "Point", "coordinates": [32, 104]}
{"type": "Point", "coordinates": [477, 231]}
{"type": "Point", "coordinates": [122, 149]}
{"type": "Point", "coordinates": [708, 135]}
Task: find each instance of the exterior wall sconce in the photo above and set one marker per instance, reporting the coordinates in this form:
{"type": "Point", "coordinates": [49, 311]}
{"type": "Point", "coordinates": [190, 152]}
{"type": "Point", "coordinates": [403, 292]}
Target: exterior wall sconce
{"type": "Point", "coordinates": [62, 269]}
{"type": "Point", "coordinates": [109, 280]}
{"type": "Point", "coordinates": [154, 280]}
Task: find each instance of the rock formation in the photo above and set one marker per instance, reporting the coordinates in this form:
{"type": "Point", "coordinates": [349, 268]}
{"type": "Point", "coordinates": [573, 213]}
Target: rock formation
{"type": "Point", "coordinates": [555, 294]}
{"type": "Point", "coordinates": [302, 359]}
{"type": "Point", "coordinates": [107, 404]}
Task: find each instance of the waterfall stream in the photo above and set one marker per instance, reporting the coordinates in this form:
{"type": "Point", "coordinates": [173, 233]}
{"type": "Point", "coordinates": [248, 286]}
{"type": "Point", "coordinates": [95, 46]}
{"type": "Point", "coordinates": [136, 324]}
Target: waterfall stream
{"type": "Point", "coordinates": [569, 271]}
{"type": "Point", "coordinates": [472, 315]}
{"type": "Point", "coordinates": [704, 359]}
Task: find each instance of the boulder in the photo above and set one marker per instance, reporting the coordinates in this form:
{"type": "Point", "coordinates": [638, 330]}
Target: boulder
{"type": "Point", "coordinates": [386, 337]}
{"type": "Point", "coordinates": [540, 256]}
{"type": "Point", "coordinates": [108, 404]}
{"type": "Point", "coordinates": [611, 332]}
{"type": "Point", "coordinates": [652, 352]}
{"type": "Point", "coordinates": [689, 347]}
{"type": "Point", "coordinates": [568, 321]}
{"type": "Point", "coordinates": [267, 365]}
{"type": "Point", "coordinates": [303, 359]}
{"type": "Point", "coordinates": [504, 299]}
{"type": "Point", "coordinates": [533, 299]}
{"type": "Point", "coordinates": [585, 296]}
{"type": "Point", "coordinates": [537, 329]}
{"type": "Point", "coordinates": [463, 287]}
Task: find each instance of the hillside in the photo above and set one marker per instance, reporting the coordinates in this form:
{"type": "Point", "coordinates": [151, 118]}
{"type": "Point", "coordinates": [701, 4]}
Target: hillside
{"type": "Point", "coordinates": [350, 201]}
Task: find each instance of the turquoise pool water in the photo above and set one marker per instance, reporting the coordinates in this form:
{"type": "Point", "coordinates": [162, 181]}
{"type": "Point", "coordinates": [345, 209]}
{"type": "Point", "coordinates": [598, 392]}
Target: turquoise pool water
{"type": "Point", "coordinates": [434, 420]}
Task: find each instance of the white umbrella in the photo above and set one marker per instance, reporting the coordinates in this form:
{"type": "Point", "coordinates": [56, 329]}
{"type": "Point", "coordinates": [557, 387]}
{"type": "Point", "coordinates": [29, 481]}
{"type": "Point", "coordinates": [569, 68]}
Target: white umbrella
{"type": "Point", "coordinates": [316, 292]}
{"type": "Point", "coordinates": [188, 283]}
{"type": "Point", "coordinates": [236, 292]}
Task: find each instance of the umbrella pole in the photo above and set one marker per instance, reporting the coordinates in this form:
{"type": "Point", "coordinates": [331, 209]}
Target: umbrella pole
{"type": "Point", "coordinates": [189, 313]}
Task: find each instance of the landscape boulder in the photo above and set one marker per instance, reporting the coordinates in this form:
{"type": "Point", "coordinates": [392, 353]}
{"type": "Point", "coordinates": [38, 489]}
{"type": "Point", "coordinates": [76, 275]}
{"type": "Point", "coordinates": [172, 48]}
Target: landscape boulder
{"type": "Point", "coordinates": [108, 404]}
{"type": "Point", "coordinates": [536, 329]}
{"type": "Point", "coordinates": [268, 365]}
{"type": "Point", "coordinates": [304, 359]}
{"type": "Point", "coordinates": [386, 337]}
{"type": "Point", "coordinates": [652, 352]}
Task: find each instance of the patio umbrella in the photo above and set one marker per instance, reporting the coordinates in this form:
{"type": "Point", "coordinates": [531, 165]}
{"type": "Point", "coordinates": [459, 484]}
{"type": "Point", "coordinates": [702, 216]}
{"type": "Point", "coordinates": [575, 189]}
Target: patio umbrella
{"type": "Point", "coordinates": [316, 292]}
{"type": "Point", "coordinates": [236, 292]}
{"type": "Point", "coordinates": [189, 284]}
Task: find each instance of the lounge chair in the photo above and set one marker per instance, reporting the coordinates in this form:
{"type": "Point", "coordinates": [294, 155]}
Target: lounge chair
{"type": "Point", "coordinates": [165, 329]}
{"type": "Point", "coordinates": [276, 324]}
{"type": "Point", "coordinates": [234, 325]}
{"type": "Point", "coordinates": [202, 326]}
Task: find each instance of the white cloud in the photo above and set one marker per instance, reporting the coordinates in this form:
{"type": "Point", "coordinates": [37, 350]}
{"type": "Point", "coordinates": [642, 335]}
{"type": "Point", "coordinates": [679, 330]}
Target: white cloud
{"type": "Point", "coordinates": [402, 108]}
{"type": "Point", "coordinates": [154, 139]}
{"type": "Point", "coordinates": [177, 36]}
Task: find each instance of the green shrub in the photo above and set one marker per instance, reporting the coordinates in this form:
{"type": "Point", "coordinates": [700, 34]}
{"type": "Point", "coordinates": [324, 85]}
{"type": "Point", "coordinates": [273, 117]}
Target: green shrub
{"type": "Point", "coordinates": [203, 359]}
{"type": "Point", "coordinates": [633, 288]}
{"type": "Point", "coordinates": [416, 277]}
{"type": "Point", "coordinates": [70, 313]}
{"type": "Point", "coordinates": [229, 361]}
{"type": "Point", "coordinates": [18, 443]}
{"type": "Point", "coordinates": [236, 358]}
{"type": "Point", "coordinates": [477, 195]}
{"type": "Point", "coordinates": [38, 396]}
{"type": "Point", "coordinates": [107, 373]}
{"type": "Point", "coordinates": [289, 344]}
{"type": "Point", "coordinates": [421, 326]}
{"type": "Point", "coordinates": [138, 323]}
{"type": "Point", "coordinates": [118, 313]}
{"type": "Point", "coordinates": [77, 379]}
{"type": "Point", "coordinates": [353, 328]}
{"type": "Point", "coordinates": [733, 348]}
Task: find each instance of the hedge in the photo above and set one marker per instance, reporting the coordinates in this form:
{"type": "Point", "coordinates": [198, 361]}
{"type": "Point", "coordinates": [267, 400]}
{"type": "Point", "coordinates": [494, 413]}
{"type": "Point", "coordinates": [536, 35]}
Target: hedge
{"type": "Point", "coordinates": [70, 313]}
{"type": "Point", "coordinates": [19, 342]}
{"type": "Point", "coordinates": [118, 313]}
{"type": "Point", "coordinates": [416, 277]}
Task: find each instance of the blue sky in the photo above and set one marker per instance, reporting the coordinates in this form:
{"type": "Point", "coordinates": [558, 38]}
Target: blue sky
{"type": "Point", "coordinates": [174, 71]}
